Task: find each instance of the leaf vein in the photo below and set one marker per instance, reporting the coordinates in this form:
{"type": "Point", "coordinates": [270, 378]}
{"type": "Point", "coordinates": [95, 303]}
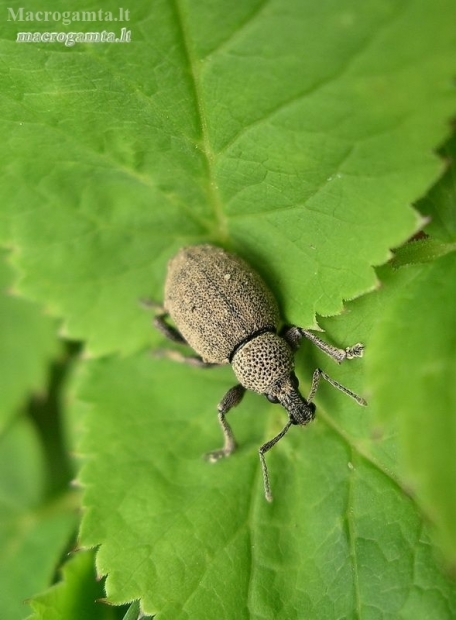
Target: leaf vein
{"type": "Point", "coordinates": [339, 72]}
{"type": "Point", "coordinates": [241, 27]}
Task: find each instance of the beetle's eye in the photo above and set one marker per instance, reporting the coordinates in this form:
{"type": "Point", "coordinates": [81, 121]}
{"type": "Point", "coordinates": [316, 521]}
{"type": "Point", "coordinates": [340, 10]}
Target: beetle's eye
{"type": "Point", "coordinates": [294, 381]}
{"type": "Point", "coordinates": [272, 399]}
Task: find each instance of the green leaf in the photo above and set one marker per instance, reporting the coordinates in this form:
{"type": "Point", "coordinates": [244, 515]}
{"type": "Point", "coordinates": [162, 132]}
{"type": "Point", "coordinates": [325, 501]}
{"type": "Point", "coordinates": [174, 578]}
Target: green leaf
{"type": "Point", "coordinates": [190, 539]}
{"type": "Point", "coordinates": [439, 203]}
{"type": "Point", "coordinates": [27, 346]}
{"type": "Point", "coordinates": [76, 597]}
{"type": "Point", "coordinates": [421, 251]}
{"type": "Point", "coordinates": [134, 612]}
{"type": "Point", "coordinates": [411, 372]}
{"type": "Point", "coordinates": [296, 133]}
{"type": "Point", "coordinates": [412, 362]}
{"type": "Point", "coordinates": [34, 529]}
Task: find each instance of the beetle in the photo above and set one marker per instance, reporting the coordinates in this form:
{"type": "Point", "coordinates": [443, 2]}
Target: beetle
{"type": "Point", "coordinates": [223, 309]}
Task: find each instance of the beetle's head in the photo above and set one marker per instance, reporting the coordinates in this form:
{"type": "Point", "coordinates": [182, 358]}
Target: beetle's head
{"type": "Point", "coordinates": [286, 393]}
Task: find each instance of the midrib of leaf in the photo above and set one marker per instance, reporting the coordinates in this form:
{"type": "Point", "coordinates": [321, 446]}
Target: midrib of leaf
{"type": "Point", "coordinates": [194, 67]}
{"type": "Point", "coordinates": [357, 449]}
{"type": "Point", "coordinates": [352, 538]}
{"type": "Point", "coordinates": [252, 546]}
{"type": "Point", "coordinates": [354, 452]}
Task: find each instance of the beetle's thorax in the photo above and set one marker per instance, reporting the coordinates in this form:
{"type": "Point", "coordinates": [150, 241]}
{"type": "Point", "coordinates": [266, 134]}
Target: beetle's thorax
{"type": "Point", "coordinates": [262, 362]}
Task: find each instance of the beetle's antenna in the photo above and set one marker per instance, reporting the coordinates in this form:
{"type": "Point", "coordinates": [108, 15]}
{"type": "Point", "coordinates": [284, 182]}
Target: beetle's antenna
{"type": "Point", "coordinates": [262, 451]}
{"type": "Point", "coordinates": [320, 374]}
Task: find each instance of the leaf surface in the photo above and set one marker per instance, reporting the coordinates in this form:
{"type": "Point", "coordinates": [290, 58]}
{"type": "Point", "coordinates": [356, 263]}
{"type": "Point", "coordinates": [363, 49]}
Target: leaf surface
{"type": "Point", "coordinates": [413, 382]}
{"type": "Point", "coordinates": [34, 530]}
{"type": "Point", "coordinates": [27, 346]}
{"type": "Point", "coordinates": [191, 539]}
{"type": "Point", "coordinates": [298, 134]}
{"type": "Point", "coordinates": [76, 596]}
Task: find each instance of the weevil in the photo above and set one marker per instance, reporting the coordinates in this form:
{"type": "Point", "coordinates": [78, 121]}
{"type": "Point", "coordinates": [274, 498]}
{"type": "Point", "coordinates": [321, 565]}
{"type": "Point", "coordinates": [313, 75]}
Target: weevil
{"type": "Point", "coordinates": [223, 309]}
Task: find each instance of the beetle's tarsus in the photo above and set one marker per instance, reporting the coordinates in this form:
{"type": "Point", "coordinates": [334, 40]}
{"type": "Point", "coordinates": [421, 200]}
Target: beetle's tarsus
{"type": "Point", "coordinates": [357, 350]}
{"type": "Point", "coordinates": [216, 455]}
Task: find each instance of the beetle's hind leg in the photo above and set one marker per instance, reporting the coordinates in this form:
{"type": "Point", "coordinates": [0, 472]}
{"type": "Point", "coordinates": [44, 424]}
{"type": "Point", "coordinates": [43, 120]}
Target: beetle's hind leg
{"type": "Point", "coordinates": [170, 332]}
{"type": "Point", "coordinates": [177, 356]}
{"type": "Point", "coordinates": [160, 323]}
{"type": "Point", "coordinates": [232, 398]}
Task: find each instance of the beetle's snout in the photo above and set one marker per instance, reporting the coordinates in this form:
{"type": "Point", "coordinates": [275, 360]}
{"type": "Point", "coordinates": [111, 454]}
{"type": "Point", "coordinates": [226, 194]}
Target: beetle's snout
{"type": "Point", "coordinates": [301, 412]}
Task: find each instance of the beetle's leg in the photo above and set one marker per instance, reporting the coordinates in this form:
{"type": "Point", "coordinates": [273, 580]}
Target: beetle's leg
{"type": "Point", "coordinates": [177, 356]}
{"type": "Point", "coordinates": [160, 323]}
{"type": "Point", "coordinates": [232, 398]}
{"type": "Point", "coordinates": [320, 374]}
{"type": "Point", "coordinates": [175, 336]}
{"type": "Point", "coordinates": [294, 334]}
{"type": "Point", "coordinates": [168, 330]}
{"type": "Point", "coordinates": [262, 451]}
{"type": "Point", "coordinates": [150, 304]}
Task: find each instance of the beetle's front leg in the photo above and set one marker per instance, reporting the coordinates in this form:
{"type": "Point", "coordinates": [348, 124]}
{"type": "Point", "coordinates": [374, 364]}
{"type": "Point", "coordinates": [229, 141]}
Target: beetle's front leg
{"type": "Point", "coordinates": [232, 398]}
{"type": "Point", "coordinates": [294, 334]}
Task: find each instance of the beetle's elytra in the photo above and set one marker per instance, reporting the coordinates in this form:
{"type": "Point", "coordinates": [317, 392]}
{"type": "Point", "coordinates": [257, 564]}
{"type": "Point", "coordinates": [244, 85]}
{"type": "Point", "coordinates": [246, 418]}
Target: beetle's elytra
{"type": "Point", "coordinates": [222, 308]}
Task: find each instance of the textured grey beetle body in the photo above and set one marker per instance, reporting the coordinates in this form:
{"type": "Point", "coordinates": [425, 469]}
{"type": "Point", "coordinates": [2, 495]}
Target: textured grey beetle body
{"type": "Point", "coordinates": [216, 301]}
{"type": "Point", "coordinates": [225, 312]}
